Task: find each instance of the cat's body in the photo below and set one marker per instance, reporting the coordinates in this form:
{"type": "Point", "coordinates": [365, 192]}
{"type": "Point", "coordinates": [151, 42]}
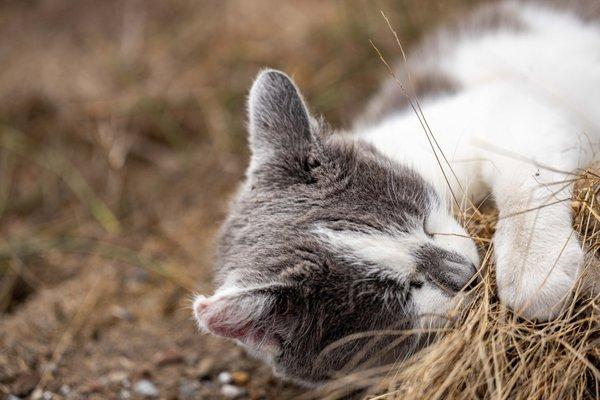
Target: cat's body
{"type": "Point", "coordinates": [520, 115]}
{"type": "Point", "coordinates": [336, 235]}
{"type": "Point", "coordinates": [514, 87]}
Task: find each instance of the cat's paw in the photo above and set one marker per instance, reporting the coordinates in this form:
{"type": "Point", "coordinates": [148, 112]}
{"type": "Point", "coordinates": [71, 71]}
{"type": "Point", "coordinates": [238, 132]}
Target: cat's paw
{"type": "Point", "coordinates": [536, 281]}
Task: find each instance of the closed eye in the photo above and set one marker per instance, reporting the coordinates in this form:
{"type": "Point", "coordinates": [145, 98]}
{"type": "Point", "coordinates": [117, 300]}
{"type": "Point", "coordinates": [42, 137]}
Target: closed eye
{"type": "Point", "coordinates": [416, 284]}
{"type": "Point", "coordinates": [429, 235]}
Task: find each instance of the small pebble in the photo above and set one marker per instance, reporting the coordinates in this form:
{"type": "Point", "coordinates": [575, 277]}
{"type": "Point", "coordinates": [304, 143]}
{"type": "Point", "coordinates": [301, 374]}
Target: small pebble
{"type": "Point", "coordinates": [189, 389]}
{"type": "Point", "coordinates": [205, 368]}
{"type": "Point", "coordinates": [232, 391]}
{"type": "Point", "coordinates": [122, 313]}
{"type": "Point", "coordinates": [117, 377]}
{"type": "Point", "coordinates": [225, 377]}
{"type": "Point", "coordinates": [168, 357]}
{"type": "Point", "coordinates": [65, 390]}
{"type": "Point", "coordinates": [240, 377]}
{"type": "Point", "coordinates": [48, 367]}
{"type": "Point", "coordinates": [37, 394]}
{"type": "Point", "coordinates": [12, 397]}
{"type": "Point", "coordinates": [145, 388]}
{"type": "Point", "coordinates": [124, 394]}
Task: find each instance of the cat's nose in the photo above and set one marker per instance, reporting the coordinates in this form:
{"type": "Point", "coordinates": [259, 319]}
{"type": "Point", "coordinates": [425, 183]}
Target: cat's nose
{"type": "Point", "coordinates": [456, 276]}
{"type": "Point", "coordinates": [448, 270]}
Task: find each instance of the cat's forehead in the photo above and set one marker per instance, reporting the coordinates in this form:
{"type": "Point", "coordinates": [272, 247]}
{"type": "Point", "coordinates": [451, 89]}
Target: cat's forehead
{"type": "Point", "coordinates": [353, 185]}
{"type": "Point", "coordinates": [276, 223]}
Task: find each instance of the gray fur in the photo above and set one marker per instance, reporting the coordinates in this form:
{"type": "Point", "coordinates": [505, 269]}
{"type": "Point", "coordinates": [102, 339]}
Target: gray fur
{"type": "Point", "coordinates": [311, 295]}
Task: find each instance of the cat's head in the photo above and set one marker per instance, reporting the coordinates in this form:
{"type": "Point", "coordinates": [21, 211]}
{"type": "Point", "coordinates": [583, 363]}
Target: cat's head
{"type": "Point", "coordinates": [331, 252]}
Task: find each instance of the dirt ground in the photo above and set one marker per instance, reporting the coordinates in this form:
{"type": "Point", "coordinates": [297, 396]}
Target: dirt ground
{"type": "Point", "coordinates": [121, 139]}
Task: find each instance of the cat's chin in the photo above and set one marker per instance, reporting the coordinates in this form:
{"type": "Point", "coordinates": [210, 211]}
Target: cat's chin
{"type": "Point", "coordinates": [436, 309]}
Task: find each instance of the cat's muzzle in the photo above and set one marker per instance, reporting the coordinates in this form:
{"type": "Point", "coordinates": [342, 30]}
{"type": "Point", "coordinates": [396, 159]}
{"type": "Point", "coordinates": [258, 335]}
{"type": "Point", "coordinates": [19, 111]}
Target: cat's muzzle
{"type": "Point", "coordinates": [449, 270]}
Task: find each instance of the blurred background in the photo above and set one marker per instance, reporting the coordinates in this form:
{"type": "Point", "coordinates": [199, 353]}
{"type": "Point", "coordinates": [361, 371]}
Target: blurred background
{"type": "Point", "coordinates": [121, 139]}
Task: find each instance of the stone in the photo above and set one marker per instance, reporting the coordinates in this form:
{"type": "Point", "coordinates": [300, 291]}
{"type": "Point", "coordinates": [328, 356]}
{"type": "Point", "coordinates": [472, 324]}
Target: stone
{"type": "Point", "coordinates": [240, 377]}
{"type": "Point", "coordinates": [225, 377]}
{"type": "Point", "coordinates": [145, 388]}
{"type": "Point", "coordinates": [205, 368]}
{"type": "Point", "coordinates": [168, 357]}
{"type": "Point", "coordinates": [122, 314]}
{"type": "Point", "coordinates": [117, 377]}
{"type": "Point", "coordinates": [232, 391]}
{"type": "Point", "coordinates": [188, 390]}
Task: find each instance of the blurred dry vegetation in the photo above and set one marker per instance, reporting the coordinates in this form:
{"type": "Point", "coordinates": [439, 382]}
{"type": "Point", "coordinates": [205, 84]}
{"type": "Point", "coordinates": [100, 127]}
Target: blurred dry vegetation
{"type": "Point", "coordinates": [121, 137]}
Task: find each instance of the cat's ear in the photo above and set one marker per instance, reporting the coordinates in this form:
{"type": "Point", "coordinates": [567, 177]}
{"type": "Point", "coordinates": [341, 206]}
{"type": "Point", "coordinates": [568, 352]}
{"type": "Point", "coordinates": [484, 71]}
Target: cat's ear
{"type": "Point", "coordinates": [253, 317]}
{"type": "Point", "coordinates": [279, 119]}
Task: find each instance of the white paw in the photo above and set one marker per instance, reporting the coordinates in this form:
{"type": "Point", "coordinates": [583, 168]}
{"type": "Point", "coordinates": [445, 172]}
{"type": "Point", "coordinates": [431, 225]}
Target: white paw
{"type": "Point", "coordinates": [540, 287]}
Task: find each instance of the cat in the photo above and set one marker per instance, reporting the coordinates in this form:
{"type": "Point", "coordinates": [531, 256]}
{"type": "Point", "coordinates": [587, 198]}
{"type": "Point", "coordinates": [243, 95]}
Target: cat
{"type": "Point", "coordinates": [335, 236]}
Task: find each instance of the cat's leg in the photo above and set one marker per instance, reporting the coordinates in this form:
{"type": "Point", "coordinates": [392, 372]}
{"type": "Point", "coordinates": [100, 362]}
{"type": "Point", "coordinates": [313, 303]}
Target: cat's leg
{"type": "Point", "coordinates": [538, 256]}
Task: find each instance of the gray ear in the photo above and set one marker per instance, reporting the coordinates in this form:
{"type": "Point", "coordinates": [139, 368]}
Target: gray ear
{"type": "Point", "coordinates": [279, 119]}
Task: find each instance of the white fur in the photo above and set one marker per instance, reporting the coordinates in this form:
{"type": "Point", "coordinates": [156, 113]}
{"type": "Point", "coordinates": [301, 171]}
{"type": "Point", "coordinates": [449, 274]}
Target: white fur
{"type": "Point", "coordinates": [393, 251]}
{"type": "Point", "coordinates": [450, 235]}
{"type": "Point", "coordinates": [529, 107]}
{"type": "Point", "coordinates": [433, 307]}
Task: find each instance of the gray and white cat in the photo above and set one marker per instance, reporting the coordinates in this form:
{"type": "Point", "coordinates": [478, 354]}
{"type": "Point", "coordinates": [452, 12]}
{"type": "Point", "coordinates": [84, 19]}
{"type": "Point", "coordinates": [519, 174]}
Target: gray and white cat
{"type": "Point", "coordinates": [335, 236]}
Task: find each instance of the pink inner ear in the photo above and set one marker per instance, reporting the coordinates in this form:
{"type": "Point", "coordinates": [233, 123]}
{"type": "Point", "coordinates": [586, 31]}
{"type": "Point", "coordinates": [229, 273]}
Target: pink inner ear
{"type": "Point", "coordinates": [232, 317]}
{"type": "Point", "coordinates": [222, 327]}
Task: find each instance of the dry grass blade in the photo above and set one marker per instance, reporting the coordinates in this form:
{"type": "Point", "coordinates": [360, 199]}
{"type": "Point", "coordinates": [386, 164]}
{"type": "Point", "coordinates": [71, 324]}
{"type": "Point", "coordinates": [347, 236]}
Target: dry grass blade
{"type": "Point", "coordinates": [56, 163]}
{"type": "Point", "coordinates": [93, 247]}
{"type": "Point", "coordinates": [420, 117]}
